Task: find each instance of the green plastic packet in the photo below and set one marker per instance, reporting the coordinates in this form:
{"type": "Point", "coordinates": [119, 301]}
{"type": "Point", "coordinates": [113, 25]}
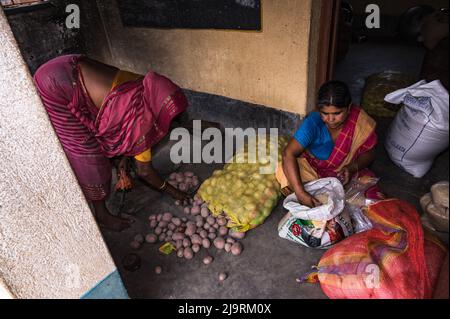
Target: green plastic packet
{"type": "Point", "coordinates": [167, 248]}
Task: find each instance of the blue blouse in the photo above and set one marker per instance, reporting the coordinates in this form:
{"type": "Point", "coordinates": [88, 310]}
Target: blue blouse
{"type": "Point", "coordinates": [314, 136]}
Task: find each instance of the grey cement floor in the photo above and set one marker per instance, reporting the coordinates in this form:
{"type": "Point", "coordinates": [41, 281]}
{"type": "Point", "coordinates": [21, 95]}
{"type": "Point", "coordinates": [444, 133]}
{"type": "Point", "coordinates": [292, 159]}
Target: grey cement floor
{"type": "Point", "coordinates": [268, 265]}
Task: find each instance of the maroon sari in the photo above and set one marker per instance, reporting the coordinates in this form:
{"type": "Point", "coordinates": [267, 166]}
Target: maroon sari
{"type": "Point", "coordinates": [134, 116]}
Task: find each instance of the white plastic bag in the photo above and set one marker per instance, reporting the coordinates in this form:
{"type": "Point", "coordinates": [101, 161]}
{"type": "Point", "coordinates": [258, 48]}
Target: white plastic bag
{"type": "Point", "coordinates": [419, 131]}
{"type": "Point", "coordinates": [329, 186]}
{"type": "Point", "coordinates": [318, 227]}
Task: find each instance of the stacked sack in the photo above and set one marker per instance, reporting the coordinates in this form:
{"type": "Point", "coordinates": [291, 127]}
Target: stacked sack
{"type": "Point", "coordinates": [241, 192]}
{"type": "Point", "coordinates": [435, 207]}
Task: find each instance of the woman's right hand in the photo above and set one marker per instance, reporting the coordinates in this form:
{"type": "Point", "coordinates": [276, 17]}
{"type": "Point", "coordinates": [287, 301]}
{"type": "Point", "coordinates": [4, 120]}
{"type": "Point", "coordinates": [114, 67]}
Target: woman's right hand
{"type": "Point", "coordinates": [176, 193]}
{"type": "Point", "coordinates": [306, 199]}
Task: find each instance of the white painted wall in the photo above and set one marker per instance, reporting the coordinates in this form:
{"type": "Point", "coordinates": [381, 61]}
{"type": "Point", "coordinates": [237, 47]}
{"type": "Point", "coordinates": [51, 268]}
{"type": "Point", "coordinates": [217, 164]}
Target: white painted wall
{"type": "Point", "coordinates": [50, 246]}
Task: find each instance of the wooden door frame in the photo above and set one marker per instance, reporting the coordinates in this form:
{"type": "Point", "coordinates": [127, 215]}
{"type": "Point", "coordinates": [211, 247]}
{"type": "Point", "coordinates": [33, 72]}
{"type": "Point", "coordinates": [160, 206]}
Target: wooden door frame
{"type": "Point", "coordinates": [327, 46]}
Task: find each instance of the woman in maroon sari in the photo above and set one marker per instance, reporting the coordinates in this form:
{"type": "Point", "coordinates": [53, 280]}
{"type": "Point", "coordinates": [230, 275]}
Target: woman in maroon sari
{"type": "Point", "coordinates": [100, 112]}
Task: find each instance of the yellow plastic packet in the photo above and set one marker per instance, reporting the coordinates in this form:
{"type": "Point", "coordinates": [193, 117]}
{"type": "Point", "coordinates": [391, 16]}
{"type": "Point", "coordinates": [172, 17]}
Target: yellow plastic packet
{"type": "Point", "coordinates": [167, 248]}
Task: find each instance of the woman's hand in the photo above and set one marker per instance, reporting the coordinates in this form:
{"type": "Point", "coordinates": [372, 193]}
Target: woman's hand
{"type": "Point", "coordinates": [346, 173]}
{"type": "Point", "coordinates": [176, 193]}
{"type": "Point", "coordinates": [306, 199]}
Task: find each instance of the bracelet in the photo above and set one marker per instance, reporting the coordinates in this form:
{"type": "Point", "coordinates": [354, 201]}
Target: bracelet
{"type": "Point", "coordinates": [163, 187]}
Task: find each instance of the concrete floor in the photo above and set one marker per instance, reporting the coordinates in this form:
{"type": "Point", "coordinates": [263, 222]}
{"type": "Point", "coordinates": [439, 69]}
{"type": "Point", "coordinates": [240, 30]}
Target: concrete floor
{"type": "Point", "coordinates": [268, 265]}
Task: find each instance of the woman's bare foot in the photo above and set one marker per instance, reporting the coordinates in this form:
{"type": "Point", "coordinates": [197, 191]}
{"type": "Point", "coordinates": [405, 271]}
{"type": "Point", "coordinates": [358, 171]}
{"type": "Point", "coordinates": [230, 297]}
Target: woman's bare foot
{"type": "Point", "coordinates": [108, 221]}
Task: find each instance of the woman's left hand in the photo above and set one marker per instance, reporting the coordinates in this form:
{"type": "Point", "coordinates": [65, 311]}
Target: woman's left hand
{"type": "Point", "coordinates": [345, 174]}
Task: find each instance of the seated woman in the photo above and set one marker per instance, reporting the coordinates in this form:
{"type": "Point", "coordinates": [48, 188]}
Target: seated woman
{"type": "Point", "coordinates": [337, 141]}
{"type": "Point", "coordinates": [100, 112]}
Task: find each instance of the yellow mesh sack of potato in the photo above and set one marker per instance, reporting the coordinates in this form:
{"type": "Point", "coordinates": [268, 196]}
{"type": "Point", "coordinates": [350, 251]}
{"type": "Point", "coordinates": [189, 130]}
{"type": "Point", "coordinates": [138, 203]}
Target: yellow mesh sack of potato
{"type": "Point", "coordinates": [377, 86]}
{"type": "Point", "coordinates": [240, 191]}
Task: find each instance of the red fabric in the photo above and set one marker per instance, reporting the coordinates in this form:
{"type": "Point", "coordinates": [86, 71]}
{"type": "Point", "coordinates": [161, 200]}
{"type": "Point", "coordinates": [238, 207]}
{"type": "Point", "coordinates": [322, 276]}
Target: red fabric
{"type": "Point", "coordinates": [58, 86]}
{"type": "Point", "coordinates": [408, 265]}
{"type": "Point", "coordinates": [137, 114]}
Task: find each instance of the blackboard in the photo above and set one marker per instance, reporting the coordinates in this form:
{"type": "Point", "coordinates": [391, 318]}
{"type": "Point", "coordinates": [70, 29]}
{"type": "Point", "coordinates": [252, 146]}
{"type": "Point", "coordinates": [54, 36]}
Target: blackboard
{"type": "Point", "coordinates": [192, 14]}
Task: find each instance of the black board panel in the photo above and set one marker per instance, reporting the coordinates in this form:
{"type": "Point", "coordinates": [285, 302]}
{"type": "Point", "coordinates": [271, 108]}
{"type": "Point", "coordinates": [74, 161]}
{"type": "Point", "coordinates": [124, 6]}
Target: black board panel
{"type": "Point", "coordinates": [192, 14]}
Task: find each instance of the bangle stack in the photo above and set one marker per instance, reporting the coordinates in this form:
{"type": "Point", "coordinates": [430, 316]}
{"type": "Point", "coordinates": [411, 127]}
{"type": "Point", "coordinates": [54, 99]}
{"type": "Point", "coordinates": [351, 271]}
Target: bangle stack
{"type": "Point", "coordinates": [163, 186]}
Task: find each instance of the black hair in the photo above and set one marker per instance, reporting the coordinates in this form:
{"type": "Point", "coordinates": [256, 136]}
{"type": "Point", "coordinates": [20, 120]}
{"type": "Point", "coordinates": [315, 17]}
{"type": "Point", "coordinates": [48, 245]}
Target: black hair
{"type": "Point", "coordinates": [334, 93]}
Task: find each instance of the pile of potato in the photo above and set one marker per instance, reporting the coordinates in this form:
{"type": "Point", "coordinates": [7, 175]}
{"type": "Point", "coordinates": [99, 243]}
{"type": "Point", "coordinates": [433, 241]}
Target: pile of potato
{"type": "Point", "coordinates": [189, 236]}
{"type": "Point", "coordinates": [184, 181]}
{"type": "Point", "coordinates": [241, 192]}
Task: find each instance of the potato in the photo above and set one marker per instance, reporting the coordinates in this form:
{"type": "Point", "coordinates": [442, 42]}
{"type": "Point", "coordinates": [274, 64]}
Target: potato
{"type": "Point", "coordinates": [186, 242]}
{"type": "Point", "coordinates": [190, 223]}
{"type": "Point", "coordinates": [221, 221]}
{"type": "Point", "coordinates": [188, 253]}
{"type": "Point", "coordinates": [168, 238]}
{"type": "Point", "coordinates": [178, 236]}
{"type": "Point", "coordinates": [223, 231]}
{"type": "Point", "coordinates": [135, 244]}
{"type": "Point", "coordinates": [158, 217]}
{"type": "Point", "coordinates": [215, 226]}
{"type": "Point", "coordinates": [198, 202]}
{"type": "Point", "coordinates": [162, 237]}
{"type": "Point", "coordinates": [195, 210]}
{"type": "Point", "coordinates": [167, 217]}
{"type": "Point", "coordinates": [188, 174]}
{"type": "Point", "coordinates": [222, 276]}
{"type": "Point", "coordinates": [163, 224]}
{"type": "Point", "coordinates": [172, 227]}
{"type": "Point", "coordinates": [237, 235]}
{"type": "Point", "coordinates": [151, 238]}
{"type": "Point", "coordinates": [207, 260]}
{"type": "Point", "coordinates": [212, 236]}
{"type": "Point", "coordinates": [179, 243]}
{"type": "Point", "coordinates": [158, 270]}
{"type": "Point", "coordinates": [206, 243]}
{"type": "Point", "coordinates": [227, 247]}
{"type": "Point", "coordinates": [196, 248]}
{"type": "Point", "coordinates": [195, 182]}
{"type": "Point", "coordinates": [139, 238]}
{"type": "Point", "coordinates": [169, 233]}
{"type": "Point", "coordinates": [230, 240]}
{"type": "Point", "coordinates": [180, 179]}
{"type": "Point", "coordinates": [177, 202]}
{"type": "Point", "coordinates": [236, 249]}
{"type": "Point", "coordinates": [187, 210]}
{"type": "Point", "coordinates": [158, 231]}
{"type": "Point", "coordinates": [190, 230]}
{"type": "Point", "coordinates": [173, 176]}
{"type": "Point", "coordinates": [219, 243]}
{"type": "Point", "coordinates": [152, 217]}
{"type": "Point", "coordinates": [204, 211]}
{"type": "Point", "coordinates": [182, 187]}
{"type": "Point", "coordinates": [184, 219]}
{"type": "Point", "coordinates": [176, 221]}
{"type": "Point", "coordinates": [180, 252]}
{"type": "Point", "coordinates": [200, 223]}
{"type": "Point", "coordinates": [211, 220]}
{"type": "Point", "coordinates": [196, 239]}
{"type": "Point", "coordinates": [203, 233]}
